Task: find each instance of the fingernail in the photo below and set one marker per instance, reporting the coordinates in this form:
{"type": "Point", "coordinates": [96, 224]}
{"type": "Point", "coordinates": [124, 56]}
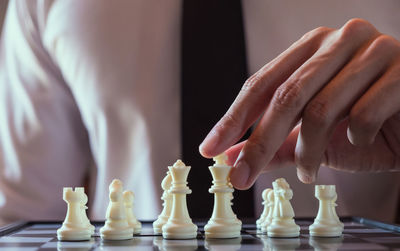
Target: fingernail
{"type": "Point", "coordinates": [240, 173]}
{"type": "Point", "coordinates": [305, 177]}
{"type": "Point", "coordinates": [207, 147]}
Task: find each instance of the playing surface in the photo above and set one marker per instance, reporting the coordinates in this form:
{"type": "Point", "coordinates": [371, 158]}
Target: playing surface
{"type": "Point", "coordinates": [359, 234]}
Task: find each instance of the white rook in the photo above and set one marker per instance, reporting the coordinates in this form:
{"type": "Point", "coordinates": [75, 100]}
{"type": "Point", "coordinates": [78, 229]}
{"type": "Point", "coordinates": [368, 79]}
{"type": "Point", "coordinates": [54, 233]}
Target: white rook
{"type": "Point", "coordinates": [327, 223]}
{"type": "Point", "coordinates": [76, 226]}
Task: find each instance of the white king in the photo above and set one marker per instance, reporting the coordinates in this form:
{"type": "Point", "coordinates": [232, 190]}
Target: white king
{"type": "Point", "coordinates": [223, 222]}
{"type": "Point", "coordinates": [179, 225]}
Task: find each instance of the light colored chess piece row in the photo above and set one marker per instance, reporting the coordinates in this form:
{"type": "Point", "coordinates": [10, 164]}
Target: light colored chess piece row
{"type": "Point", "coordinates": [277, 217]}
{"type": "Point", "coordinates": [174, 221]}
{"type": "Point", "coordinates": [121, 223]}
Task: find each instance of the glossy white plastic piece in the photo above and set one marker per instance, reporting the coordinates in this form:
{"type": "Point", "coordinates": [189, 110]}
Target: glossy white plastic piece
{"type": "Point", "coordinates": [76, 226]}
{"type": "Point", "coordinates": [116, 226]}
{"type": "Point", "coordinates": [282, 224]}
{"type": "Point", "coordinates": [223, 222]}
{"type": "Point", "coordinates": [129, 198]}
{"type": "Point", "coordinates": [179, 224]}
{"type": "Point", "coordinates": [265, 211]}
{"type": "Point", "coordinates": [270, 202]}
{"type": "Point", "coordinates": [327, 223]}
{"type": "Point", "coordinates": [167, 205]}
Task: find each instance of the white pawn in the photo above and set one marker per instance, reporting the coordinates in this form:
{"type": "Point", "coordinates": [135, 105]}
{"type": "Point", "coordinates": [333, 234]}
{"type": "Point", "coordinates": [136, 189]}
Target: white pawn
{"type": "Point", "coordinates": [270, 208]}
{"type": "Point", "coordinates": [179, 224]}
{"type": "Point", "coordinates": [76, 226]}
{"type": "Point", "coordinates": [283, 224]}
{"type": "Point", "coordinates": [327, 223]}
{"type": "Point", "coordinates": [264, 213]}
{"type": "Point", "coordinates": [167, 205]}
{"type": "Point", "coordinates": [116, 226]}
{"type": "Point", "coordinates": [129, 197]}
{"type": "Point", "coordinates": [84, 208]}
{"type": "Point", "coordinates": [223, 222]}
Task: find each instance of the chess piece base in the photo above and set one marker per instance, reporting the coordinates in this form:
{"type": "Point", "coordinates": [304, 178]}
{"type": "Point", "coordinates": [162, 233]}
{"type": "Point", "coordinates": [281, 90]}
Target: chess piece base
{"type": "Point", "coordinates": [136, 226]}
{"type": "Point", "coordinates": [179, 231]}
{"type": "Point", "coordinates": [223, 228]}
{"type": "Point", "coordinates": [264, 225]}
{"type": "Point", "coordinates": [326, 230]}
{"type": "Point", "coordinates": [91, 229]}
{"type": "Point", "coordinates": [159, 223]}
{"type": "Point", "coordinates": [73, 234]}
{"type": "Point", "coordinates": [283, 228]}
{"type": "Point", "coordinates": [108, 233]}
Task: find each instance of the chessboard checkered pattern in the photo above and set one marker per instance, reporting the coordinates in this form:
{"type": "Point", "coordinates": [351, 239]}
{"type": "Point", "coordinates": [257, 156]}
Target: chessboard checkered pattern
{"type": "Point", "coordinates": [356, 236]}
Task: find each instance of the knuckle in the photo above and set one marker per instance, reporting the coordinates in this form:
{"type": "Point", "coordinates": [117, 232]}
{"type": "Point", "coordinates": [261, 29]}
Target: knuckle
{"type": "Point", "coordinates": [317, 113]}
{"type": "Point", "coordinates": [288, 97]}
{"type": "Point", "coordinates": [381, 43]}
{"type": "Point", "coordinates": [356, 26]}
{"type": "Point", "coordinates": [317, 32]}
{"type": "Point", "coordinates": [252, 84]}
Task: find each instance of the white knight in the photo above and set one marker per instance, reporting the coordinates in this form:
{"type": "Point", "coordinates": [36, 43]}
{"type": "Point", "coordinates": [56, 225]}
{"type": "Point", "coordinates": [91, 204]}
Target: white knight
{"type": "Point", "coordinates": [283, 224]}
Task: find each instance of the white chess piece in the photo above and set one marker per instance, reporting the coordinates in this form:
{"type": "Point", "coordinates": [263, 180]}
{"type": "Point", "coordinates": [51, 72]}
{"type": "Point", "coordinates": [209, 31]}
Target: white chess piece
{"type": "Point", "coordinates": [84, 208]}
{"type": "Point", "coordinates": [167, 205]}
{"type": "Point", "coordinates": [265, 211]}
{"type": "Point", "coordinates": [76, 226]}
{"type": "Point", "coordinates": [270, 205]}
{"type": "Point", "coordinates": [283, 224]}
{"type": "Point", "coordinates": [179, 224]}
{"type": "Point", "coordinates": [116, 226]}
{"type": "Point", "coordinates": [327, 223]}
{"type": "Point", "coordinates": [129, 197]}
{"type": "Point", "coordinates": [223, 222]}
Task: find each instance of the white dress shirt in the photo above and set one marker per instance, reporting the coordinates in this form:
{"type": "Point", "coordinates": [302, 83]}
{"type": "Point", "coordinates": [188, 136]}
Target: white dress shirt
{"type": "Point", "coordinates": [93, 87]}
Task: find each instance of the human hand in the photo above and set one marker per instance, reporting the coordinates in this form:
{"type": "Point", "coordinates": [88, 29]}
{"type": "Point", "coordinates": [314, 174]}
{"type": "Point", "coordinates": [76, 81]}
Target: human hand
{"type": "Point", "coordinates": [332, 98]}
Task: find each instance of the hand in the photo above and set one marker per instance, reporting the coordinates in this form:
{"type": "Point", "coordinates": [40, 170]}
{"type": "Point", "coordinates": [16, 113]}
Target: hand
{"type": "Point", "coordinates": [332, 98]}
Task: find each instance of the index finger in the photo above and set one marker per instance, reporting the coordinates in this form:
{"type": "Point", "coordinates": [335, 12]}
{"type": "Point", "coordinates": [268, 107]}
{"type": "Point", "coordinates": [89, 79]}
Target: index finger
{"type": "Point", "coordinates": [256, 93]}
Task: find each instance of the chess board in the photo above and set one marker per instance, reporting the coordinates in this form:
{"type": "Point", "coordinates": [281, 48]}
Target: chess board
{"type": "Point", "coordinates": [359, 234]}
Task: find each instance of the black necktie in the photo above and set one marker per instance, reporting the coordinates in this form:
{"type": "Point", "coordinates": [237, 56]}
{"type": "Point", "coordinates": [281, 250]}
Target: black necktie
{"type": "Point", "coordinates": [213, 71]}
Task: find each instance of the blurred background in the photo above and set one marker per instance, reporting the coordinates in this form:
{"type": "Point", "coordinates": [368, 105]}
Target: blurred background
{"type": "Point", "coordinates": [3, 8]}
